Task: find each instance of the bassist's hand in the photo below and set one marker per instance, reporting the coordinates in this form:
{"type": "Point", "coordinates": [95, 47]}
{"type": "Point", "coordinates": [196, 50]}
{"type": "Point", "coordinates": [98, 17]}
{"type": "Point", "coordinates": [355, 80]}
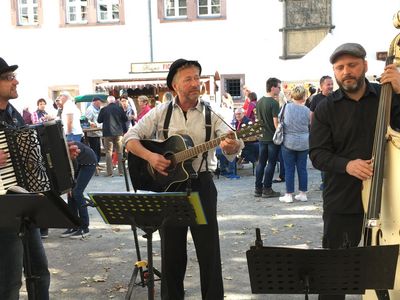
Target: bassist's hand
{"type": "Point", "coordinates": [361, 169]}
{"type": "Point", "coordinates": [391, 75]}
{"type": "Point", "coordinates": [159, 163]}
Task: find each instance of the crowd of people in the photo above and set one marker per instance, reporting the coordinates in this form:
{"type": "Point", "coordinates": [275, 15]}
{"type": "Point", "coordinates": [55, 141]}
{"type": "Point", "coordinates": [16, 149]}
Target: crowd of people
{"type": "Point", "coordinates": [335, 129]}
{"type": "Point", "coordinates": [294, 109]}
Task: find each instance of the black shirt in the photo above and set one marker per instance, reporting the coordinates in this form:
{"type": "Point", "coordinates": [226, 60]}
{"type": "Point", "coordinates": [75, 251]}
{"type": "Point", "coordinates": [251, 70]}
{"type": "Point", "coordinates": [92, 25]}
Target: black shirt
{"type": "Point", "coordinates": [342, 130]}
{"type": "Point", "coordinates": [114, 120]}
{"type": "Point", "coordinates": [316, 100]}
{"type": "Point", "coordinates": [10, 117]}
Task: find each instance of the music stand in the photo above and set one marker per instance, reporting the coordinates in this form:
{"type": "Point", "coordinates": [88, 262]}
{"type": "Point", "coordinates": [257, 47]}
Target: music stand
{"type": "Point", "coordinates": [284, 270]}
{"type": "Point", "coordinates": [21, 212]}
{"type": "Point", "coordinates": [149, 211]}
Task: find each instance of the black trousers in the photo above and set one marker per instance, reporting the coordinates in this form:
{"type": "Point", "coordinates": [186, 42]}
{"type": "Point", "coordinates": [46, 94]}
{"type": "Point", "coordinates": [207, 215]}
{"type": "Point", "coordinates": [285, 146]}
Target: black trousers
{"type": "Point", "coordinates": [341, 230]}
{"type": "Point", "coordinates": [206, 241]}
{"type": "Point", "coordinates": [94, 143]}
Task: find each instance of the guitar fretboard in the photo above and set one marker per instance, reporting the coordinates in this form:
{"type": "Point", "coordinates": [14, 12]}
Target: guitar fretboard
{"type": "Point", "coordinates": [196, 150]}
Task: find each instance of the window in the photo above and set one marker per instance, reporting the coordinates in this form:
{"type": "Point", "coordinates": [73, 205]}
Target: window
{"type": "Point", "coordinates": [209, 8]}
{"type": "Point", "coordinates": [76, 11]}
{"type": "Point", "coordinates": [28, 12]}
{"type": "Point", "coordinates": [191, 10]}
{"type": "Point", "coordinates": [232, 86]}
{"type": "Point", "coordinates": [108, 11]}
{"type": "Point", "coordinates": [90, 12]}
{"type": "Point", "coordinates": [175, 8]}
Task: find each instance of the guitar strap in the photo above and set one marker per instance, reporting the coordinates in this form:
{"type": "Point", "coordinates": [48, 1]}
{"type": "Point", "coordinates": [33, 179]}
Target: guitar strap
{"type": "Point", "coordinates": [208, 127]}
{"type": "Point", "coordinates": [167, 119]}
{"type": "Point", "coordinates": [208, 133]}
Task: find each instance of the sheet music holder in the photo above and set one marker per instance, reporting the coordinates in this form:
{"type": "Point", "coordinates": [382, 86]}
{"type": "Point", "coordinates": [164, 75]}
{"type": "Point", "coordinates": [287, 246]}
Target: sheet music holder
{"type": "Point", "coordinates": [21, 212]}
{"type": "Point", "coordinates": [149, 211]}
{"type": "Point", "coordinates": [284, 270]}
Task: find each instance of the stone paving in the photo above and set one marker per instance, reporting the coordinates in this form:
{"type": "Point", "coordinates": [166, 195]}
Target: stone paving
{"type": "Point", "coordinates": [100, 266]}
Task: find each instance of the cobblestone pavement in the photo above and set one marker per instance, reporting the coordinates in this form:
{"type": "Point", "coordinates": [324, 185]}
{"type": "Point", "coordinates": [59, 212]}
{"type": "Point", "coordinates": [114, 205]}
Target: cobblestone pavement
{"type": "Point", "coordinates": [100, 266]}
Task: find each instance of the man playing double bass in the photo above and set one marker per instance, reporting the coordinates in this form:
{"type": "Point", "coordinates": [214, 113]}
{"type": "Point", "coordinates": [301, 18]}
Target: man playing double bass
{"type": "Point", "coordinates": [341, 142]}
{"type": "Point", "coordinates": [187, 114]}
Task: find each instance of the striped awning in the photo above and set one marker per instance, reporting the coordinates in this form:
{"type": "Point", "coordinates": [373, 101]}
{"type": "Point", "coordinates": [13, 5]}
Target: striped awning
{"type": "Point", "coordinates": [134, 84]}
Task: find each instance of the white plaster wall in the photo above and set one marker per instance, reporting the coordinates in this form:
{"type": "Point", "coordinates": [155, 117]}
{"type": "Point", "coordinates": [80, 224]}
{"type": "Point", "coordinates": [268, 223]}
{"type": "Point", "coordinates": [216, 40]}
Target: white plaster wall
{"type": "Point", "coordinates": [247, 42]}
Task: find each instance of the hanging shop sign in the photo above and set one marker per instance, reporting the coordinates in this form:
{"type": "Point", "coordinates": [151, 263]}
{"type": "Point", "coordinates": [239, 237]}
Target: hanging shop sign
{"type": "Point", "coordinates": [150, 67]}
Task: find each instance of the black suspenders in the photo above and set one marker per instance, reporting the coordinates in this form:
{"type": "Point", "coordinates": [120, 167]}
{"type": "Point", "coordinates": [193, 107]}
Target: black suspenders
{"type": "Point", "coordinates": [167, 119]}
{"type": "Point", "coordinates": [208, 126]}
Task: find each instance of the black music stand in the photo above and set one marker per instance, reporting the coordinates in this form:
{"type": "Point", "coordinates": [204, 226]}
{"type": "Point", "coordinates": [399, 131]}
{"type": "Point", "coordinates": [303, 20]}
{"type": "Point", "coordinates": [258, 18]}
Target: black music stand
{"type": "Point", "coordinates": [284, 270]}
{"type": "Point", "coordinates": [149, 211]}
{"type": "Point", "coordinates": [21, 212]}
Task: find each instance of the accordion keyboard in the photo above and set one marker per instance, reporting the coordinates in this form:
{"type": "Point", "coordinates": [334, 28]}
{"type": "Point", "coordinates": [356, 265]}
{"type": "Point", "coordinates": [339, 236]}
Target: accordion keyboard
{"type": "Point", "coordinates": [7, 173]}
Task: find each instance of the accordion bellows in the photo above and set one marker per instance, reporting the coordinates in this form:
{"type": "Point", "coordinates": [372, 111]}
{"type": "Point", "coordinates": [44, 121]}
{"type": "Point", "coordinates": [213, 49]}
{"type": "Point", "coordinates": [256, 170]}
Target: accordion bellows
{"type": "Point", "coordinates": [38, 159]}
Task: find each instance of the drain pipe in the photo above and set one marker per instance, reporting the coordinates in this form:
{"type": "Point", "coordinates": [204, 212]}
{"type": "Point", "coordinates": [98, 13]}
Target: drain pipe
{"type": "Point", "coordinates": [150, 32]}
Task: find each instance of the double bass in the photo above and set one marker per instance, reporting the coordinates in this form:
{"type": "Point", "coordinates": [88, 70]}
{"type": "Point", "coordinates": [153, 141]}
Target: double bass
{"type": "Point", "coordinates": [381, 193]}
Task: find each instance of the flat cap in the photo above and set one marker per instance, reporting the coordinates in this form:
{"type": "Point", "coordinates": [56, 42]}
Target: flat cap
{"type": "Point", "coordinates": [353, 49]}
{"type": "Point", "coordinates": [175, 67]}
{"type": "Point", "coordinates": [4, 67]}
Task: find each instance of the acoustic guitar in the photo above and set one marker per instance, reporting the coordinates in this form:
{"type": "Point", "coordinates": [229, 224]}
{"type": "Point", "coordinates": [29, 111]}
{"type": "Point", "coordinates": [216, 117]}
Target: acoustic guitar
{"type": "Point", "coordinates": [181, 151]}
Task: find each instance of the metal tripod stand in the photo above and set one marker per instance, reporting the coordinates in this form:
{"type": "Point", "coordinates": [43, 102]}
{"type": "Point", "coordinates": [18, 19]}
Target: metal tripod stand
{"type": "Point", "coordinates": [141, 268]}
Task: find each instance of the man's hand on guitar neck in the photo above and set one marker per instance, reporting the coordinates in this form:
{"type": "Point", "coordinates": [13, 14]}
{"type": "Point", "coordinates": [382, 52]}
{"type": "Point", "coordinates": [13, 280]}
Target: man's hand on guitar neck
{"type": "Point", "coordinates": [230, 145]}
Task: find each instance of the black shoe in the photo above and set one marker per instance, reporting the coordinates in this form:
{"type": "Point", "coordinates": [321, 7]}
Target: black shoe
{"type": "Point", "coordinates": [270, 193]}
{"type": "Point", "coordinates": [44, 233]}
{"type": "Point", "coordinates": [258, 192]}
{"type": "Point", "coordinates": [80, 233]}
{"type": "Point", "coordinates": [68, 232]}
{"type": "Point", "coordinates": [278, 180]}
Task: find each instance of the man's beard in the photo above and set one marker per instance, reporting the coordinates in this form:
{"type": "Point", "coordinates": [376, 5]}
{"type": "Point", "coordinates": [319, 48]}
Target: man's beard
{"type": "Point", "coordinates": [354, 87]}
{"type": "Point", "coordinates": [191, 95]}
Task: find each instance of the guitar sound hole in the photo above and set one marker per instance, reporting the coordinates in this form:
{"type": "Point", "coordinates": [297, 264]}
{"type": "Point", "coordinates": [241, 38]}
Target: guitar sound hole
{"type": "Point", "coordinates": [170, 156]}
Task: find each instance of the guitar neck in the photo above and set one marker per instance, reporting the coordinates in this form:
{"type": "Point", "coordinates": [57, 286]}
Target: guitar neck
{"type": "Point", "coordinates": [201, 148]}
{"type": "Point", "coordinates": [196, 150]}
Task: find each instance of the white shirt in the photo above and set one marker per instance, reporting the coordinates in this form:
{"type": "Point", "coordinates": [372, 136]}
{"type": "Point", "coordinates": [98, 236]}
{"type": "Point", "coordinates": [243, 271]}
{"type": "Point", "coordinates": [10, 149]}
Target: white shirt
{"type": "Point", "coordinates": [152, 125]}
{"type": "Point", "coordinates": [70, 108]}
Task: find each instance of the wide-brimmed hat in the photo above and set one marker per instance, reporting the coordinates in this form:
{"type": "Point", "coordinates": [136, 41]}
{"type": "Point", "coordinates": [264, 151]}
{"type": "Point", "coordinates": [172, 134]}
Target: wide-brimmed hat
{"type": "Point", "coordinates": [4, 67]}
{"type": "Point", "coordinates": [353, 49]}
{"type": "Point", "coordinates": [175, 67]}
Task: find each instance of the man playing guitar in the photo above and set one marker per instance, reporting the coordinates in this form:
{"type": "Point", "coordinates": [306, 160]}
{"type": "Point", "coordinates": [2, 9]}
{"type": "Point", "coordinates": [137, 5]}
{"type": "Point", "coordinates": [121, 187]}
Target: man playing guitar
{"type": "Point", "coordinates": [187, 117]}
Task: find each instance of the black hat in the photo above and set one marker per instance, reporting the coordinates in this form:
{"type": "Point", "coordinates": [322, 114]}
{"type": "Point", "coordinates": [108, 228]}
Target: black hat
{"type": "Point", "coordinates": [353, 49]}
{"type": "Point", "coordinates": [4, 67]}
{"type": "Point", "coordinates": [176, 65]}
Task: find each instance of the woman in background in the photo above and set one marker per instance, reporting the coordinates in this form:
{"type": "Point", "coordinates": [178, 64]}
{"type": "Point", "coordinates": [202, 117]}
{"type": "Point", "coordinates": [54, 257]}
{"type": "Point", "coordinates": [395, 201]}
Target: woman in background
{"type": "Point", "coordinates": [296, 121]}
{"type": "Point", "coordinates": [144, 106]}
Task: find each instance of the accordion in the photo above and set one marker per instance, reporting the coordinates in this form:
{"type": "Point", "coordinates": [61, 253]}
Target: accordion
{"type": "Point", "coordinates": [38, 159]}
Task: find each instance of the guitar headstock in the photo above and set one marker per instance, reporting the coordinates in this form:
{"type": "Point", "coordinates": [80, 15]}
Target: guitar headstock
{"type": "Point", "coordinates": [250, 130]}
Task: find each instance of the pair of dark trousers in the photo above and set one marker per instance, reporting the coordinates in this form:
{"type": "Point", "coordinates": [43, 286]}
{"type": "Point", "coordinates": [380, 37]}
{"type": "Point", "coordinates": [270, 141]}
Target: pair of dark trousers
{"type": "Point", "coordinates": [94, 143]}
{"type": "Point", "coordinates": [77, 202]}
{"type": "Point", "coordinates": [206, 241]}
{"type": "Point", "coordinates": [268, 153]}
{"type": "Point", "coordinates": [341, 230]}
{"type": "Point", "coordinates": [11, 263]}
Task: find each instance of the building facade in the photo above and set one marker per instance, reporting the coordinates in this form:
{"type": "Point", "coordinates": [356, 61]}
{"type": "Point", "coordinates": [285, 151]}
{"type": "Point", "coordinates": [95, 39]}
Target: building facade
{"type": "Point", "coordinates": [113, 45]}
